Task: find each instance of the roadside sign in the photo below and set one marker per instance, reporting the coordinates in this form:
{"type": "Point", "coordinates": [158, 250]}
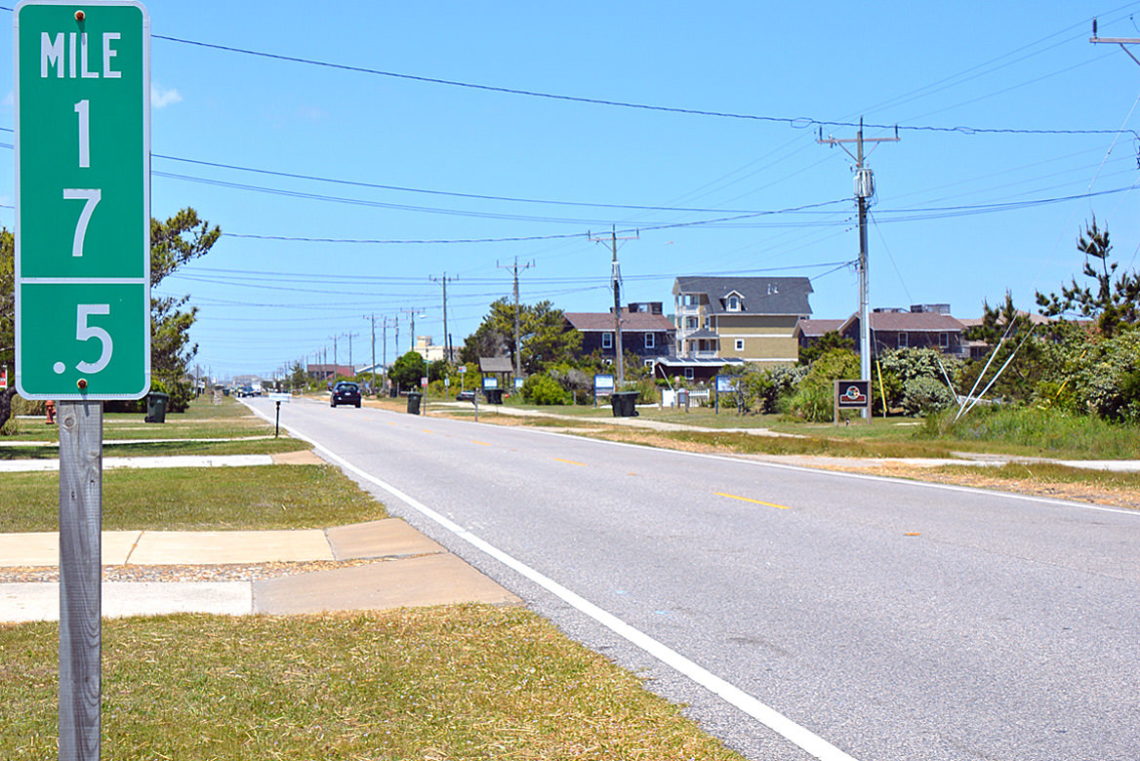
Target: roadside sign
{"type": "Point", "coordinates": [490, 382]}
{"type": "Point", "coordinates": [519, 382]}
{"type": "Point", "coordinates": [423, 381]}
{"type": "Point", "coordinates": [3, 378]}
{"type": "Point", "coordinates": [603, 384]}
{"type": "Point", "coordinates": [82, 261]}
{"type": "Point", "coordinates": [852, 395]}
{"type": "Point", "coordinates": [725, 384]}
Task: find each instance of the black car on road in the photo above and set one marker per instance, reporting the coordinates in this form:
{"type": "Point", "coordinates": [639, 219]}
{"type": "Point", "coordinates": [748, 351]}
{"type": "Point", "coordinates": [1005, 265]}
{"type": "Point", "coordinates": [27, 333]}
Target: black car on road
{"type": "Point", "coordinates": [345, 393]}
{"type": "Point", "coordinates": [465, 396]}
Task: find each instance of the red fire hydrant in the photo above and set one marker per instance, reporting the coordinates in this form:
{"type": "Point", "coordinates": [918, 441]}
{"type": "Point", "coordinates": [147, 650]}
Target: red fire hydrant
{"type": "Point", "coordinates": [49, 406]}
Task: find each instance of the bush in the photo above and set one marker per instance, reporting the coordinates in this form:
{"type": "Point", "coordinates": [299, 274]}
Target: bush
{"type": "Point", "coordinates": [647, 392]}
{"type": "Point", "coordinates": [922, 396]}
{"type": "Point", "coordinates": [814, 398]}
{"type": "Point", "coordinates": [542, 389]}
{"type": "Point", "coordinates": [1107, 382]}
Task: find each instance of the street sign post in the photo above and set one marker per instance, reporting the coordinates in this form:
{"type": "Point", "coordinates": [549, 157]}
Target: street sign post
{"type": "Point", "coordinates": [82, 200]}
{"type": "Point", "coordinates": [82, 270]}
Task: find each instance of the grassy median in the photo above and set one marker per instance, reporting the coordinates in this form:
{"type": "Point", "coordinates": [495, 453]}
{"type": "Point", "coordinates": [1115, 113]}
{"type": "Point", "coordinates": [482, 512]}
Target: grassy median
{"type": "Point", "coordinates": [198, 499]}
{"type": "Point", "coordinates": [461, 682]}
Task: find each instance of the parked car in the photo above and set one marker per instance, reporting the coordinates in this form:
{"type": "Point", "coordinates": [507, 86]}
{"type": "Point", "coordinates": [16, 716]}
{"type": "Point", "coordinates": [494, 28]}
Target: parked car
{"type": "Point", "coordinates": [345, 393]}
{"type": "Point", "coordinates": [465, 396]}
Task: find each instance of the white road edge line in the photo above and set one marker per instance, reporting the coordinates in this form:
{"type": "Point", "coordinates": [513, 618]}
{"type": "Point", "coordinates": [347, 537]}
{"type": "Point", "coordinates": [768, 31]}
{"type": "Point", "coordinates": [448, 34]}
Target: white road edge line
{"type": "Point", "coordinates": [731, 694]}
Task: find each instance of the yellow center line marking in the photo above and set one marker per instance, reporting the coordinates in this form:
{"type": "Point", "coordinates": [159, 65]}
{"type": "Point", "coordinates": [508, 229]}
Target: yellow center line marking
{"type": "Point", "coordinates": [481, 443]}
{"type": "Point", "coordinates": [426, 430]}
{"type": "Point", "coordinates": [754, 501]}
{"type": "Point", "coordinates": [570, 462]}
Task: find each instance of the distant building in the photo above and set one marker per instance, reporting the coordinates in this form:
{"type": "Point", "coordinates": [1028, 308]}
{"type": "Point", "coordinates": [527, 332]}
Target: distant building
{"type": "Point", "coordinates": [429, 351]}
{"type": "Point", "coordinates": [329, 372]}
{"type": "Point", "coordinates": [928, 326]}
{"type": "Point", "coordinates": [743, 318]}
{"type": "Point", "coordinates": [645, 331]}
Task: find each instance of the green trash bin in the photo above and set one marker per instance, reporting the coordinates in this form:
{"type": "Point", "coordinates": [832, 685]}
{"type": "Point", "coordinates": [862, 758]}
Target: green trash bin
{"type": "Point", "coordinates": [156, 407]}
{"type": "Point", "coordinates": [414, 402]}
{"type": "Point", "coordinates": [624, 403]}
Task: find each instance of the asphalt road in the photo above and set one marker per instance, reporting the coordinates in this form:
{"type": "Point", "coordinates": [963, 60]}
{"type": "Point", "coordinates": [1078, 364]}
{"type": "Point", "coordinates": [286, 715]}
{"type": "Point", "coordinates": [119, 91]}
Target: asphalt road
{"type": "Point", "coordinates": [833, 616]}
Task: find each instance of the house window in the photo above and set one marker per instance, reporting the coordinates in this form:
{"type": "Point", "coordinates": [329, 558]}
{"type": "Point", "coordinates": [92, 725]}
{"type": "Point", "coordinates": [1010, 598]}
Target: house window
{"type": "Point", "coordinates": [688, 373]}
{"type": "Point", "coordinates": [649, 362]}
{"type": "Point", "coordinates": [691, 323]}
{"type": "Point", "coordinates": [650, 340]}
{"type": "Point", "coordinates": [903, 342]}
{"type": "Point", "coordinates": [740, 344]}
{"type": "Point", "coordinates": [944, 340]}
{"type": "Point", "coordinates": [607, 340]}
{"type": "Point", "coordinates": [734, 303]}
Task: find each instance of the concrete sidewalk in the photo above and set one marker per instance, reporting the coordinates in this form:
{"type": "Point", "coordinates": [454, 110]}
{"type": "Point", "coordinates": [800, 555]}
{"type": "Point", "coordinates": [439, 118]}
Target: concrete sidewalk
{"type": "Point", "coordinates": [407, 569]}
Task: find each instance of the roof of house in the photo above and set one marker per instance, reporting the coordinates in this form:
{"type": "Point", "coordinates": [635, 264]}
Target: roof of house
{"type": "Point", "coordinates": [909, 322]}
{"type": "Point", "coordinates": [759, 295]}
{"type": "Point", "coordinates": [699, 361]}
{"type": "Point", "coordinates": [702, 333]}
{"type": "Point", "coordinates": [604, 321]}
{"type": "Point", "coordinates": [816, 328]}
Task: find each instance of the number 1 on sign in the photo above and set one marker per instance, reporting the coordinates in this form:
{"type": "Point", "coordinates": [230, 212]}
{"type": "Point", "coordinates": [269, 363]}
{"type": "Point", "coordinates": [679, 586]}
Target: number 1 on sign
{"type": "Point", "coordinates": [83, 111]}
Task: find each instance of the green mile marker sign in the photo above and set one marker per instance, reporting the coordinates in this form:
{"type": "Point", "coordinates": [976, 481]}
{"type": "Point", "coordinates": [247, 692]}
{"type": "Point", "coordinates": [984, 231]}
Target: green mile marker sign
{"type": "Point", "coordinates": [82, 200]}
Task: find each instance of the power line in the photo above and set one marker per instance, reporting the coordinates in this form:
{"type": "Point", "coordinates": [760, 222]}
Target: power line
{"type": "Point", "coordinates": [795, 122]}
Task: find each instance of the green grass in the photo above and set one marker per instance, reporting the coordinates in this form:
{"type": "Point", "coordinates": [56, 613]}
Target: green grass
{"type": "Point", "coordinates": [203, 419]}
{"type": "Point", "coordinates": [1047, 433]}
{"type": "Point", "coordinates": [252, 446]}
{"type": "Point", "coordinates": [458, 683]}
{"type": "Point", "coordinates": [186, 499]}
{"type": "Point", "coordinates": [1046, 473]}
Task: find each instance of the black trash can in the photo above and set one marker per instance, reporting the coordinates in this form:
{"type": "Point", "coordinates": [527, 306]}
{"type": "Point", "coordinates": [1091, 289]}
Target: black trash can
{"type": "Point", "coordinates": [393, 391]}
{"type": "Point", "coordinates": [414, 398]}
{"type": "Point", "coordinates": [494, 395]}
{"type": "Point", "coordinates": [624, 403]}
{"type": "Point", "coordinates": [156, 407]}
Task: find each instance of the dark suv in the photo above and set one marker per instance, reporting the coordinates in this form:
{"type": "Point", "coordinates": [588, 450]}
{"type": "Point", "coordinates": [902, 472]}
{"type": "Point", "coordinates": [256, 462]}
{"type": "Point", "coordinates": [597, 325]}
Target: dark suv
{"type": "Point", "coordinates": [345, 393]}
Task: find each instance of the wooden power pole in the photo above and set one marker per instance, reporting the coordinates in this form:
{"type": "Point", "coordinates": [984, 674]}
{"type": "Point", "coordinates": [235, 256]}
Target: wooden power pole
{"type": "Point", "coordinates": [615, 279]}
{"type": "Point", "coordinates": [518, 331]}
{"type": "Point", "coordinates": [864, 189]}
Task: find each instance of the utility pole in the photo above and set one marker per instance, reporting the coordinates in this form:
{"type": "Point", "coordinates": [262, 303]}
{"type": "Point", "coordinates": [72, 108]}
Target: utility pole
{"type": "Point", "coordinates": [1121, 41]}
{"type": "Point", "coordinates": [518, 332]}
{"type": "Point", "coordinates": [350, 337]}
{"type": "Point", "coordinates": [372, 318]}
{"type": "Point", "coordinates": [864, 190]}
{"type": "Point", "coordinates": [412, 314]}
{"type": "Point", "coordinates": [335, 361]}
{"type": "Point", "coordinates": [446, 336]}
{"type": "Point", "coordinates": [615, 277]}
{"type": "Point", "coordinates": [397, 343]}
{"type": "Point", "coordinates": [384, 356]}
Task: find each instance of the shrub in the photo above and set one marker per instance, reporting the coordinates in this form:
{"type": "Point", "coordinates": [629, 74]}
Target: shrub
{"type": "Point", "coordinates": [814, 397]}
{"type": "Point", "coordinates": [921, 396]}
{"type": "Point", "coordinates": [542, 389]}
{"type": "Point", "coordinates": [1107, 382]}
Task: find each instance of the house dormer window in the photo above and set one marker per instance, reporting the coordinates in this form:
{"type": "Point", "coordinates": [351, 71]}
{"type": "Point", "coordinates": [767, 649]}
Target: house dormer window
{"type": "Point", "coordinates": [734, 303]}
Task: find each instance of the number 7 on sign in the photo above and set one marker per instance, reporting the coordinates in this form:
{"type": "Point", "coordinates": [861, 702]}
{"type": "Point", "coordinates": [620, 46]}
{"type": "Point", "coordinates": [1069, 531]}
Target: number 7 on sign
{"type": "Point", "coordinates": [92, 196]}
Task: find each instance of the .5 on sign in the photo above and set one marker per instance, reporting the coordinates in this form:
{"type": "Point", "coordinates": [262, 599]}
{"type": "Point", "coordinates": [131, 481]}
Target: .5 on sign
{"type": "Point", "coordinates": [82, 185]}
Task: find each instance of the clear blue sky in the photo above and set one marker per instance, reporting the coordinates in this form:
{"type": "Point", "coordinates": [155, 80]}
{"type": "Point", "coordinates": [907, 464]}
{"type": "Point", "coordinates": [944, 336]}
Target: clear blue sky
{"type": "Point", "coordinates": [265, 303]}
